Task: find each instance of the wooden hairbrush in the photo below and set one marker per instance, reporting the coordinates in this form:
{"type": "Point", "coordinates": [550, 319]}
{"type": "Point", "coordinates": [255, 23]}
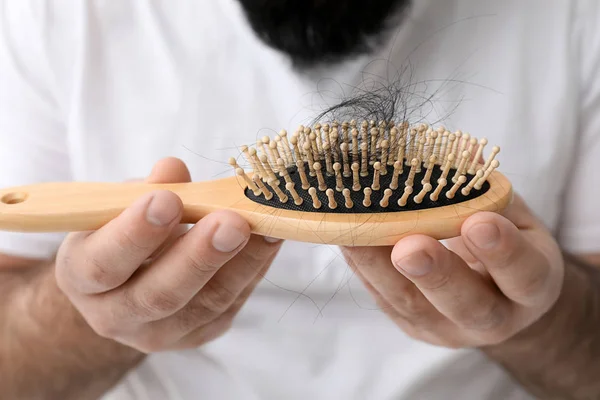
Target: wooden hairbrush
{"type": "Point", "coordinates": [344, 184]}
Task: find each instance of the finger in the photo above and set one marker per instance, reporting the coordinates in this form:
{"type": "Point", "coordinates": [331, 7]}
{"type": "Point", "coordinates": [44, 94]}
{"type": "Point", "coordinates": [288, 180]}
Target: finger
{"type": "Point", "coordinates": [525, 264]}
{"type": "Point", "coordinates": [99, 273]}
{"type": "Point", "coordinates": [216, 327]}
{"type": "Point", "coordinates": [214, 304]}
{"type": "Point", "coordinates": [228, 283]}
{"type": "Point", "coordinates": [169, 170]}
{"type": "Point", "coordinates": [179, 273]}
{"type": "Point", "coordinates": [458, 247]}
{"type": "Point", "coordinates": [454, 289]}
{"type": "Point", "coordinates": [374, 265]}
{"type": "Point", "coordinates": [99, 261]}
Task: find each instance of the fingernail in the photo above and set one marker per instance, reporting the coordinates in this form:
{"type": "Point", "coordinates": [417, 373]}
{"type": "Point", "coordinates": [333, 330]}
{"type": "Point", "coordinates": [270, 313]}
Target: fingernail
{"type": "Point", "coordinates": [162, 210]}
{"type": "Point", "coordinates": [417, 264]}
{"type": "Point", "coordinates": [484, 235]}
{"type": "Point", "coordinates": [269, 239]}
{"type": "Point", "coordinates": [227, 238]}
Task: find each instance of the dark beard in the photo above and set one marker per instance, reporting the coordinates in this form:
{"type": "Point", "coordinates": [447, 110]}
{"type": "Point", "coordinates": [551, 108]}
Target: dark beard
{"type": "Point", "coordinates": [312, 32]}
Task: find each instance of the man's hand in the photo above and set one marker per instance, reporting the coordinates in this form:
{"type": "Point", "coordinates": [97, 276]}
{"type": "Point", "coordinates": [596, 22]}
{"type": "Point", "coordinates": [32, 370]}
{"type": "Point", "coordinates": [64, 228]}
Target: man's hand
{"type": "Point", "coordinates": [142, 282]}
{"type": "Point", "coordinates": [501, 275]}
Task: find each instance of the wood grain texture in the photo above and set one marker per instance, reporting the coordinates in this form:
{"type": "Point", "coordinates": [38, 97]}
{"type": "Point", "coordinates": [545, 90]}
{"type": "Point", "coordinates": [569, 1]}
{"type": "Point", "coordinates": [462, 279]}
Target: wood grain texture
{"type": "Point", "coordinates": [79, 206]}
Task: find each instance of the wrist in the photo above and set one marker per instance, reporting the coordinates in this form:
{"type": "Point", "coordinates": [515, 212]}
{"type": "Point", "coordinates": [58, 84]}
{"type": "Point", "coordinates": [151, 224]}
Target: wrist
{"type": "Point", "coordinates": [561, 347]}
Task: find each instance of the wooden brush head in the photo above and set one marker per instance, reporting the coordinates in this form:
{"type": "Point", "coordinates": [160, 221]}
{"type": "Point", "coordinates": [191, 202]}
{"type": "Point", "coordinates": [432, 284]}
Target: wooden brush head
{"type": "Point", "coordinates": [374, 167]}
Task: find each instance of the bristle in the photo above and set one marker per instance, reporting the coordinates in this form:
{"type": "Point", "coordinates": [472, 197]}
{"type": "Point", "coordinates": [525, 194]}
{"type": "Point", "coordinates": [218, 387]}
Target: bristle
{"type": "Point", "coordinates": [377, 168]}
{"type": "Point", "coordinates": [393, 146]}
{"type": "Point", "coordinates": [396, 175]}
{"type": "Point", "coordinates": [313, 143]}
{"type": "Point", "coordinates": [385, 201]}
{"type": "Point", "coordinates": [275, 186]}
{"type": "Point", "coordinates": [482, 144]}
{"type": "Point", "coordinates": [367, 199]}
{"type": "Point", "coordinates": [466, 138]}
{"type": "Point", "coordinates": [448, 150]}
{"type": "Point", "coordinates": [339, 184]}
{"type": "Point", "coordinates": [356, 178]}
{"type": "Point", "coordinates": [325, 134]}
{"type": "Point", "coordinates": [493, 154]}
{"type": "Point", "coordinates": [303, 177]}
{"type": "Point", "coordinates": [266, 192]}
{"type": "Point", "coordinates": [319, 138]}
{"type": "Point", "coordinates": [345, 133]}
{"type": "Point", "coordinates": [419, 157]}
{"type": "Point", "coordinates": [444, 143]}
{"type": "Point", "coordinates": [311, 160]}
{"type": "Point", "coordinates": [493, 165]}
{"type": "Point", "coordinates": [335, 145]}
{"type": "Point", "coordinates": [384, 155]}
{"type": "Point", "coordinates": [248, 158]}
{"type": "Point", "coordinates": [354, 145]}
{"type": "Point", "coordinates": [408, 190]}
{"type": "Point", "coordinates": [364, 160]}
{"type": "Point", "coordinates": [455, 146]}
{"type": "Point", "coordinates": [320, 178]}
{"type": "Point", "coordinates": [278, 148]}
{"type": "Point", "coordinates": [290, 188]}
{"type": "Point", "coordinates": [286, 147]}
{"type": "Point", "coordinates": [463, 162]}
{"type": "Point", "coordinates": [413, 171]}
{"type": "Point", "coordinates": [347, 199]}
{"type": "Point", "coordinates": [442, 182]}
{"type": "Point", "coordinates": [446, 167]}
{"type": "Point", "coordinates": [313, 193]}
{"type": "Point", "coordinates": [421, 195]}
{"type": "Point", "coordinates": [294, 142]}
{"type": "Point", "coordinates": [270, 175]}
{"type": "Point", "coordinates": [459, 182]}
{"type": "Point", "coordinates": [262, 147]}
{"type": "Point", "coordinates": [347, 172]}
{"type": "Point", "coordinates": [251, 185]}
{"type": "Point", "coordinates": [430, 166]}
{"type": "Point", "coordinates": [328, 162]}
{"type": "Point", "coordinates": [274, 155]}
{"type": "Point", "coordinates": [437, 145]}
{"type": "Point", "coordinates": [283, 172]}
{"type": "Point", "coordinates": [332, 203]}
{"type": "Point", "coordinates": [374, 133]}
{"type": "Point", "coordinates": [261, 170]}
{"type": "Point", "coordinates": [401, 151]}
{"type": "Point", "coordinates": [467, 189]}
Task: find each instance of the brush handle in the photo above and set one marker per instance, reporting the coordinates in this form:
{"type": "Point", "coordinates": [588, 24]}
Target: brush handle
{"type": "Point", "coordinates": [77, 206]}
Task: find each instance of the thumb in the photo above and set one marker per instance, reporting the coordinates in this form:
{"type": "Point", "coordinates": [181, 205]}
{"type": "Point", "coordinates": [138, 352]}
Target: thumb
{"type": "Point", "coordinates": [169, 170]}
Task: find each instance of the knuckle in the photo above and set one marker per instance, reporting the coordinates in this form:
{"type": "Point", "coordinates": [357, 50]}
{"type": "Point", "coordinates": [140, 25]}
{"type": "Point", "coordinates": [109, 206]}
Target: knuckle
{"type": "Point", "coordinates": [104, 326]}
{"type": "Point", "coordinates": [488, 317]}
{"type": "Point", "coordinates": [201, 263]}
{"type": "Point", "coordinates": [156, 303]}
{"type": "Point", "coordinates": [410, 305]}
{"type": "Point", "coordinates": [96, 274]}
{"type": "Point", "coordinates": [435, 281]}
{"type": "Point", "coordinates": [215, 297]}
{"type": "Point", "coordinates": [128, 242]}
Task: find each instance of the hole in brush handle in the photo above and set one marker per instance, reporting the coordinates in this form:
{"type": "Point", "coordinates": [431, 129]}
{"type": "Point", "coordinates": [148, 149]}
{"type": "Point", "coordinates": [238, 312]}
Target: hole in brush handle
{"type": "Point", "coordinates": [14, 198]}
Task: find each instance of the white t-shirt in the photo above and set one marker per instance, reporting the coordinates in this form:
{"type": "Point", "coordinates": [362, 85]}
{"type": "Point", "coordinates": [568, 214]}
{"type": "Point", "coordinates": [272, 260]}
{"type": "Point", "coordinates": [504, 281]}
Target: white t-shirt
{"type": "Point", "coordinates": [100, 90]}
